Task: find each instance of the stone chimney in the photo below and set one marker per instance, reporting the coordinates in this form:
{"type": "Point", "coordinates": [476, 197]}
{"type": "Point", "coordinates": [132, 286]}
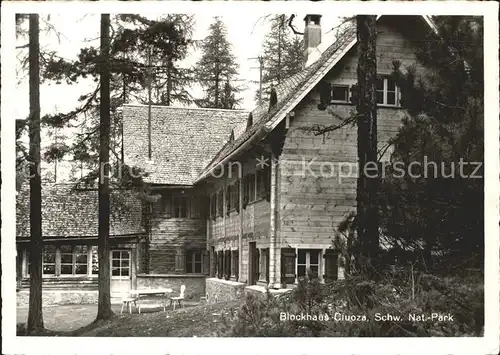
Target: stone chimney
{"type": "Point", "coordinates": [312, 37]}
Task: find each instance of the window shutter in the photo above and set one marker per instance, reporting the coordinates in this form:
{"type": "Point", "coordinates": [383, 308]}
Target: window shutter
{"type": "Point", "coordinates": [220, 264]}
{"type": "Point", "coordinates": [267, 254]}
{"type": "Point", "coordinates": [237, 195]}
{"type": "Point", "coordinates": [220, 203]}
{"type": "Point", "coordinates": [206, 262]}
{"type": "Point", "coordinates": [227, 266]}
{"type": "Point", "coordinates": [246, 187]}
{"type": "Point", "coordinates": [267, 183]}
{"type": "Point", "coordinates": [216, 264]}
{"type": "Point", "coordinates": [214, 206]}
{"type": "Point", "coordinates": [331, 265]}
{"type": "Point", "coordinates": [288, 266]}
{"type": "Point", "coordinates": [180, 260]}
{"type": "Point", "coordinates": [228, 200]}
{"type": "Point", "coordinates": [260, 185]}
{"type": "Point", "coordinates": [236, 261]}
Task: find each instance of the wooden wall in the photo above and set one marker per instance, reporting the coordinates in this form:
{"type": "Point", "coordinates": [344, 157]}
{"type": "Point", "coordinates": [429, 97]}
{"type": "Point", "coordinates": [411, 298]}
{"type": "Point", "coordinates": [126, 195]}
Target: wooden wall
{"type": "Point", "coordinates": [169, 233]}
{"type": "Point", "coordinates": [315, 198]}
{"type": "Point", "coordinates": [252, 222]}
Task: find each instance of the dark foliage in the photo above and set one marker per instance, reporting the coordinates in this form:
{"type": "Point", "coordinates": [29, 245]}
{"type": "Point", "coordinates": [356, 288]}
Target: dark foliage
{"type": "Point", "coordinates": [217, 70]}
{"type": "Point", "coordinates": [436, 214]}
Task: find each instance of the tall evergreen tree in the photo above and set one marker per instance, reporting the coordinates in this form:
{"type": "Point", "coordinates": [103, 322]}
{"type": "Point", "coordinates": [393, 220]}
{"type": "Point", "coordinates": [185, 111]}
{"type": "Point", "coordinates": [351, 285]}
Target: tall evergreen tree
{"type": "Point", "coordinates": [104, 301]}
{"type": "Point", "coordinates": [217, 69]}
{"type": "Point", "coordinates": [441, 206]}
{"type": "Point", "coordinates": [366, 106]}
{"type": "Point", "coordinates": [137, 41]}
{"type": "Point", "coordinates": [35, 316]}
{"type": "Point", "coordinates": [282, 53]}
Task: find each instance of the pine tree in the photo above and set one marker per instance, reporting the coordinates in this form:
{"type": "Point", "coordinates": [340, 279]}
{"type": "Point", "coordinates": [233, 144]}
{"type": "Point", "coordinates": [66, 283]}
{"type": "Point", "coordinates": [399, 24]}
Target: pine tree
{"type": "Point", "coordinates": [104, 301]}
{"type": "Point", "coordinates": [366, 106]}
{"type": "Point", "coordinates": [217, 69]}
{"type": "Point", "coordinates": [444, 126]}
{"type": "Point", "coordinates": [35, 316]}
{"type": "Point", "coordinates": [167, 40]}
{"type": "Point", "coordinates": [282, 53]}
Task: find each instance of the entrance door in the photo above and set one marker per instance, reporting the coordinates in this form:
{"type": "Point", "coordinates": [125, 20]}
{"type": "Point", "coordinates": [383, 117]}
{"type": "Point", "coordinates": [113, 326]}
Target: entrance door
{"type": "Point", "coordinates": [120, 272]}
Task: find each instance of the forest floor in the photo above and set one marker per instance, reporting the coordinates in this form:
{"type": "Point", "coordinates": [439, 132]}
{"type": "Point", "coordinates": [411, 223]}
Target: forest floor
{"type": "Point", "coordinates": [203, 320]}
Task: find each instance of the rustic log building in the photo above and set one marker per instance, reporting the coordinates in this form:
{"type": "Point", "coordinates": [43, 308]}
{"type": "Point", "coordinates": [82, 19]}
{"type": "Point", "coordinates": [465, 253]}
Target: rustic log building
{"type": "Point", "coordinates": [249, 201]}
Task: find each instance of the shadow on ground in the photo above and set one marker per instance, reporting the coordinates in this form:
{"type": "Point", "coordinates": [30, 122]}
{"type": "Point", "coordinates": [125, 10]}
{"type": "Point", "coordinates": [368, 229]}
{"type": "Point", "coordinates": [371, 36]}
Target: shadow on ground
{"type": "Point", "coordinates": [78, 320]}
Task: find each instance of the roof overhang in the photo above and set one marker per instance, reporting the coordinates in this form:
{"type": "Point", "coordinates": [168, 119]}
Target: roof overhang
{"type": "Point", "coordinates": [294, 101]}
{"type": "Point", "coordinates": [257, 136]}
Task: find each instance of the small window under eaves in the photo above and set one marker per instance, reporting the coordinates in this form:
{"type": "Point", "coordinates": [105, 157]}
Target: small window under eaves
{"type": "Point", "coordinates": [340, 93]}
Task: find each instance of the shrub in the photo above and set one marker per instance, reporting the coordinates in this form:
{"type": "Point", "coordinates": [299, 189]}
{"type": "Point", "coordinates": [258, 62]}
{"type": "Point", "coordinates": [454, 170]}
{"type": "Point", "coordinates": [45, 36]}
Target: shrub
{"type": "Point", "coordinates": [396, 296]}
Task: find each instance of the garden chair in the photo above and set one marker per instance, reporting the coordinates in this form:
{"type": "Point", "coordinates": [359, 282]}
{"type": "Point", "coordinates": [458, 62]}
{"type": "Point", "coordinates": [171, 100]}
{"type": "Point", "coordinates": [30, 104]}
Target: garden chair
{"type": "Point", "coordinates": [179, 298]}
{"type": "Point", "coordinates": [204, 298]}
{"type": "Point", "coordinates": [127, 300]}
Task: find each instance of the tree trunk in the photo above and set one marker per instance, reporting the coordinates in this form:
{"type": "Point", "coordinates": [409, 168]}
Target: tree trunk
{"type": "Point", "coordinates": [35, 316]}
{"type": "Point", "coordinates": [169, 82]}
{"type": "Point", "coordinates": [280, 28]}
{"type": "Point", "coordinates": [216, 98]}
{"type": "Point", "coordinates": [104, 303]}
{"type": "Point", "coordinates": [368, 175]}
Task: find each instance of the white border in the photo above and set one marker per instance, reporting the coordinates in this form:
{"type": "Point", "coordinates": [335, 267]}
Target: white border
{"type": "Point", "coordinates": [487, 345]}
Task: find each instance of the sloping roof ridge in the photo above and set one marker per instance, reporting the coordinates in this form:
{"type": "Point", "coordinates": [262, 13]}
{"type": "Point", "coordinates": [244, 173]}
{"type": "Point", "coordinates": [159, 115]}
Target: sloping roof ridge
{"type": "Point", "coordinates": [301, 79]}
{"type": "Point", "coordinates": [312, 74]}
{"type": "Point", "coordinates": [189, 108]}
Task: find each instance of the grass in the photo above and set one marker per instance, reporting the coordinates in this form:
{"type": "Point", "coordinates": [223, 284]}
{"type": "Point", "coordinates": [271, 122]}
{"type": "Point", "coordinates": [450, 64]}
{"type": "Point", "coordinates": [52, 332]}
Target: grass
{"type": "Point", "coordinates": [200, 321]}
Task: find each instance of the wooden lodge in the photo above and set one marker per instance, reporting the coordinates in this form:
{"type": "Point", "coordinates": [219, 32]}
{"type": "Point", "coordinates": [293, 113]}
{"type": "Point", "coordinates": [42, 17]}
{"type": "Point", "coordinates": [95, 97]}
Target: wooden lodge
{"type": "Point", "coordinates": [246, 200]}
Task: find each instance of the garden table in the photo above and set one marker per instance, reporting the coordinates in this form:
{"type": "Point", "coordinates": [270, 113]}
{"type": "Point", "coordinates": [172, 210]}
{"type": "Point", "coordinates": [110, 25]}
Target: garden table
{"type": "Point", "coordinates": [162, 293]}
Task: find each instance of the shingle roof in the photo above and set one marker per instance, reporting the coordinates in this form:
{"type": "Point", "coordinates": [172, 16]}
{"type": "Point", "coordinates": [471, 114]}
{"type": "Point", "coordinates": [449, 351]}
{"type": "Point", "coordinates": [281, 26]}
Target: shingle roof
{"type": "Point", "coordinates": [184, 140]}
{"type": "Point", "coordinates": [287, 93]}
{"type": "Point", "coordinates": [74, 213]}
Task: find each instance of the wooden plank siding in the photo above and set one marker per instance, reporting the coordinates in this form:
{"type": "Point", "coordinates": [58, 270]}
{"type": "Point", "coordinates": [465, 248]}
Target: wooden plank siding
{"type": "Point", "coordinates": [253, 220]}
{"type": "Point", "coordinates": [313, 197]}
{"type": "Point", "coordinates": [169, 233]}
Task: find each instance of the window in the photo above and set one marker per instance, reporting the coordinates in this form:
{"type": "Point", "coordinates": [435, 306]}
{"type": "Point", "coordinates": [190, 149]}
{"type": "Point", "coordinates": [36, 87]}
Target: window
{"type": "Point", "coordinates": [248, 189]}
{"type": "Point", "coordinates": [81, 259]}
{"type": "Point", "coordinates": [340, 93]}
{"type": "Point", "coordinates": [308, 261]}
{"type": "Point", "coordinates": [179, 206]}
{"type": "Point", "coordinates": [232, 197]}
{"type": "Point", "coordinates": [94, 260]}
{"type": "Point", "coordinates": [49, 260]}
{"type": "Point", "coordinates": [387, 91]}
{"type": "Point", "coordinates": [194, 262]}
{"type": "Point", "coordinates": [67, 260]}
{"type": "Point", "coordinates": [120, 263]}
